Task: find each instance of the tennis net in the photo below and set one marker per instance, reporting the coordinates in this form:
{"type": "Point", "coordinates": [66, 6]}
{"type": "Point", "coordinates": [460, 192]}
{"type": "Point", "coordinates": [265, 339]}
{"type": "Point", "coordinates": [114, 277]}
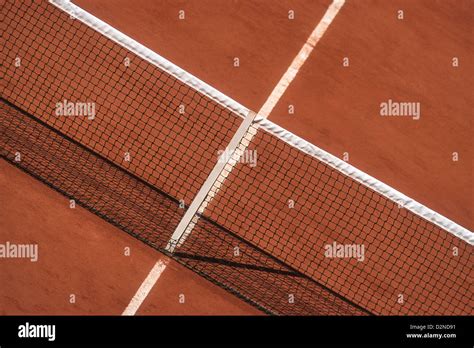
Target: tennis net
{"type": "Point", "coordinates": [146, 145]}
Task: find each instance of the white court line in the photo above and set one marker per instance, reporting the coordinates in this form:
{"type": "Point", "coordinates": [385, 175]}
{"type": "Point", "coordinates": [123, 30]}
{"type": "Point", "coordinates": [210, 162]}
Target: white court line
{"type": "Point", "coordinates": [145, 288]}
{"type": "Point", "coordinates": [246, 132]}
{"type": "Point", "coordinates": [300, 58]}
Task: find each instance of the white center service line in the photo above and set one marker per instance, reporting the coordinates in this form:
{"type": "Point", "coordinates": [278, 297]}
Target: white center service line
{"type": "Point", "coordinates": [145, 288]}
{"type": "Point", "coordinates": [264, 112]}
{"type": "Point", "coordinates": [300, 58]}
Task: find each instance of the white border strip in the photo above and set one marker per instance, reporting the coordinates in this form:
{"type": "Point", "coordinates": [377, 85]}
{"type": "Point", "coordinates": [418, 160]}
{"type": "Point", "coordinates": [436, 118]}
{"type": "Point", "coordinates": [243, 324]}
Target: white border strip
{"type": "Point", "coordinates": [267, 125]}
{"type": "Point", "coordinates": [149, 55]}
{"type": "Point", "coordinates": [369, 181]}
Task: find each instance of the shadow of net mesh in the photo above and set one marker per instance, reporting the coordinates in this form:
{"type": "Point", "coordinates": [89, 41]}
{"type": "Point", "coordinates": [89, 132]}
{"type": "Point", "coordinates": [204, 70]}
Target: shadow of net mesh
{"type": "Point", "coordinates": [153, 141]}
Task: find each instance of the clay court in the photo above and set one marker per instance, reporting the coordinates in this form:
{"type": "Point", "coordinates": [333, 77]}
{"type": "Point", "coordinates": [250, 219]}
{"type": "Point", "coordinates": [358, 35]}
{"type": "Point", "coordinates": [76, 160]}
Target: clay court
{"type": "Point", "coordinates": [309, 78]}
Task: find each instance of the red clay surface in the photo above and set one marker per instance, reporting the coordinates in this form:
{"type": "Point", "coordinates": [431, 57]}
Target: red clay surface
{"type": "Point", "coordinates": [81, 254]}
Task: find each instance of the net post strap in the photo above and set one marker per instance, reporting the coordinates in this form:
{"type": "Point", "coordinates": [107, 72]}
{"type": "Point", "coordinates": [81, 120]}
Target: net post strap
{"type": "Point", "coordinates": [211, 186]}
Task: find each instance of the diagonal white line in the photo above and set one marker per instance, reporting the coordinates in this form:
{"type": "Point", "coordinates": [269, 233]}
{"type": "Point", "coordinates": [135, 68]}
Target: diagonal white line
{"type": "Point", "coordinates": [300, 58]}
{"type": "Point", "coordinates": [145, 288]}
